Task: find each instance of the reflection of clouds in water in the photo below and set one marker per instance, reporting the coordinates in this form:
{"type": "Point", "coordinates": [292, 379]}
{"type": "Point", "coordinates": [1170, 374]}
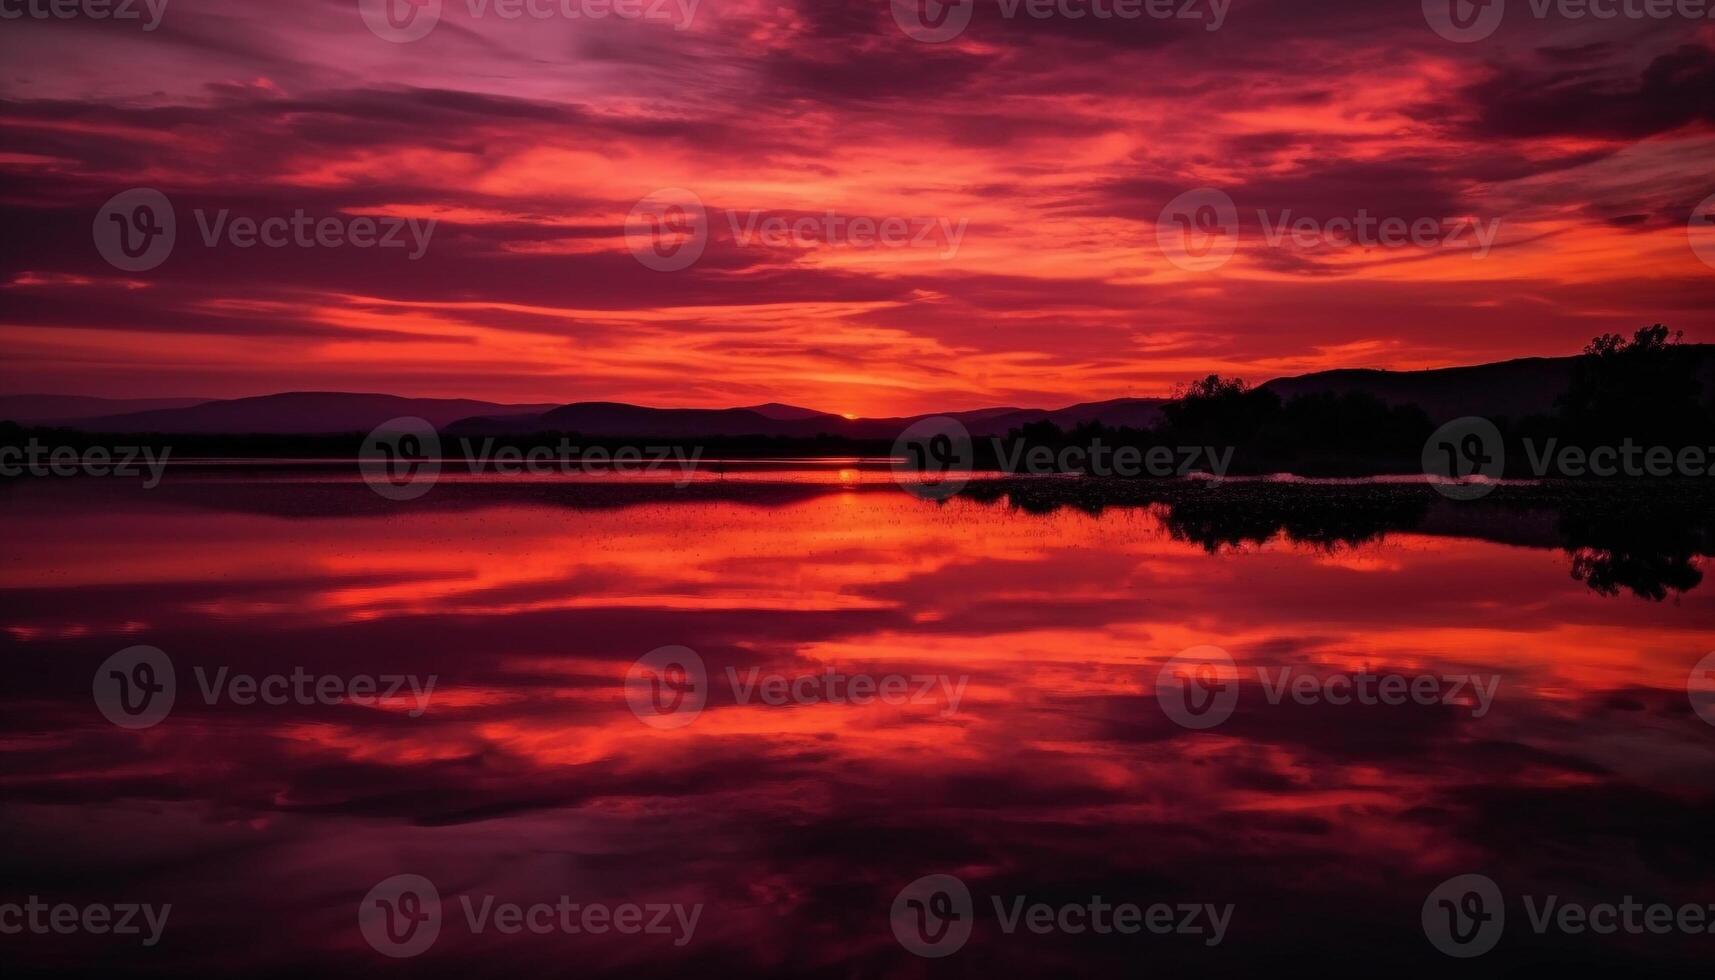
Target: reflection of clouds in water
{"type": "Point", "coordinates": [1058, 774]}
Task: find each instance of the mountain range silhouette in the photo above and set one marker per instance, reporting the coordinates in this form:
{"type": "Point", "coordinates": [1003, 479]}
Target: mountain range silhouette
{"type": "Point", "coordinates": [1505, 389]}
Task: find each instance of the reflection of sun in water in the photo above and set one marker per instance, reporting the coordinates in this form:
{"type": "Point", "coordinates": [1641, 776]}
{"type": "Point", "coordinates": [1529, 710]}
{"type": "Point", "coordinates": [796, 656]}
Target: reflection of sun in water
{"type": "Point", "coordinates": [848, 477]}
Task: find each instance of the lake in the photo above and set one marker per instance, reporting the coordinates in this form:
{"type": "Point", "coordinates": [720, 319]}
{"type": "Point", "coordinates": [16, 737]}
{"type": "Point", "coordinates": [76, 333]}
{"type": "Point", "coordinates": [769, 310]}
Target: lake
{"type": "Point", "coordinates": [610, 728]}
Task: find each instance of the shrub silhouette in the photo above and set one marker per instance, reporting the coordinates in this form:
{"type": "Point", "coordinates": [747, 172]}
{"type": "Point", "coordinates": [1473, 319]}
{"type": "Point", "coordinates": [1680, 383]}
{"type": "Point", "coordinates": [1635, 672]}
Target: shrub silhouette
{"type": "Point", "coordinates": [1645, 390]}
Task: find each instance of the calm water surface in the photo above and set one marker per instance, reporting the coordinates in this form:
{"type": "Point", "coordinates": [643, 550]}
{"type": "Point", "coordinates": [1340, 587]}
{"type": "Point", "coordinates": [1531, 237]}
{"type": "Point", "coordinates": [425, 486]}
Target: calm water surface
{"type": "Point", "coordinates": [1040, 764]}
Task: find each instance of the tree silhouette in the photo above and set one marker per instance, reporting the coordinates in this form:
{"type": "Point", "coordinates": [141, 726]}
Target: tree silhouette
{"type": "Point", "coordinates": [1645, 389]}
{"type": "Point", "coordinates": [1220, 411]}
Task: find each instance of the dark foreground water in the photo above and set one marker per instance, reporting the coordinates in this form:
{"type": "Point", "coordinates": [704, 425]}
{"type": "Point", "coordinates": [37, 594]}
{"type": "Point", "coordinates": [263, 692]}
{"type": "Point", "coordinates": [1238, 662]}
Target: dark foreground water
{"type": "Point", "coordinates": [442, 738]}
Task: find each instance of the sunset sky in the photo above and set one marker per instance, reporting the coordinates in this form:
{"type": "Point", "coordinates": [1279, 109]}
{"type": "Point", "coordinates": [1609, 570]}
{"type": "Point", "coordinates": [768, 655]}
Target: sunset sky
{"type": "Point", "coordinates": [1053, 143]}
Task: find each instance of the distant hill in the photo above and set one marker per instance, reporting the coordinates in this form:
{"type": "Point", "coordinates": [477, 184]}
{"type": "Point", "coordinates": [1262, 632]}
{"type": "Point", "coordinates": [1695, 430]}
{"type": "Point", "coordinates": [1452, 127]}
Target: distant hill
{"type": "Point", "coordinates": [1136, 413]}
{"type": "Point", "coordinates": [297, 413]}
{"type": "Point", "coordinates": [615, 420]}
{"type": "Point", "coordinates": [50, 408]}
{"type": "Point", "coordinates": [1514, 389]}
{"type": "Point", "coordinates": [775, 410]}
